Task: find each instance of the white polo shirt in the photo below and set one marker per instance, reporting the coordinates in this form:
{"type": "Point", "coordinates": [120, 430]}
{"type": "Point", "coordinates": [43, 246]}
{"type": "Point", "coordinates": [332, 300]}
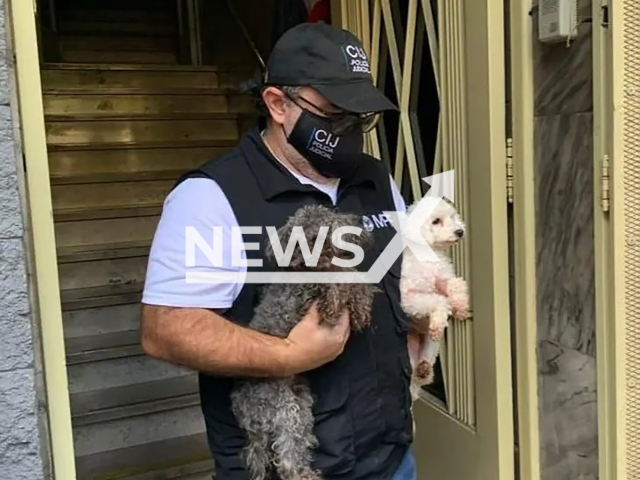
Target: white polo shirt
{"type": "Point", "coordinates": [201, 204]}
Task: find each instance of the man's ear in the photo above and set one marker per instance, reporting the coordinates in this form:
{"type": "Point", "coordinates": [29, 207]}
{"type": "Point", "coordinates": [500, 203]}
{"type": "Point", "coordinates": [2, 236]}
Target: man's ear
{"type": "Point", "coordinates": [275, 102]}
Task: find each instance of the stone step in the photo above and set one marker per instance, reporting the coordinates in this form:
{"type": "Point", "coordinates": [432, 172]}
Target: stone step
{"type": "Point", "coordinates": [134, 415]}
{"type": "Point", "coordinates": [196, 471]}
{"type": "Point", "coordinates": [96, 329]}
{"type": "Point", "coordinates": [97, 280]}
{"type": "Point", "coordinates": [137, 409]}
{"type": "Point", "coordinates": [127, 381]}
{"type": "Point", "coordinates": [111, 353]}
{"type": "Point", "coordinates": [152, 458]}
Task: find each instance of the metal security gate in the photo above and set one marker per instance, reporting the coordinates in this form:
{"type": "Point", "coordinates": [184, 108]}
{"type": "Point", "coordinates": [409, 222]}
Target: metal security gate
{"type": "Point", "coordinates": [408, 42]}
{"type": "Point", "coordinates": [376, 26]}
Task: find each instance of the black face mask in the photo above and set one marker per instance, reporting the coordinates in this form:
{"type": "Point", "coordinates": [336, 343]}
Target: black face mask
{"type": "Point", "coordinates": [331, 155]}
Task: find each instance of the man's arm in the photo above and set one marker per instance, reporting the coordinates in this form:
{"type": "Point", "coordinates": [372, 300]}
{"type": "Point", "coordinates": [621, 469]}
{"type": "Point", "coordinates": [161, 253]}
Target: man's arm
{"type": "Point", "coordinates": [178, 323]}
{"type": "Point", "coordinates": [205, 341]}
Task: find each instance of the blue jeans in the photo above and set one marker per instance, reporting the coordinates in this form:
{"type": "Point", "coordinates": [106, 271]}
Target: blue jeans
{"type": "Point", "coordinates": [407, 469]}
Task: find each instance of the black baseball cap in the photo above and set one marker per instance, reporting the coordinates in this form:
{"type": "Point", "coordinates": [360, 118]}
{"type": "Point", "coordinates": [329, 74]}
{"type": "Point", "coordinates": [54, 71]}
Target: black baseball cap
{"type": "Point", "coordinates": [332, 61]}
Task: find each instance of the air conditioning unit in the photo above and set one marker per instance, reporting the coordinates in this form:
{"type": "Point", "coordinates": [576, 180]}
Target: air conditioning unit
{"type": "Point", "coordinates": [557, 20]}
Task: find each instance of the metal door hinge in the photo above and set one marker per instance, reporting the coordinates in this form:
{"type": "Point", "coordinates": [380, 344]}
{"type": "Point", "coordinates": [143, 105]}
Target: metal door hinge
{"type": "Point", "coordinates": [510, 170]}
{"type": "Point", "coordinates": [604, 14]}
{"type": "Point", "coordinates": [605, 189]}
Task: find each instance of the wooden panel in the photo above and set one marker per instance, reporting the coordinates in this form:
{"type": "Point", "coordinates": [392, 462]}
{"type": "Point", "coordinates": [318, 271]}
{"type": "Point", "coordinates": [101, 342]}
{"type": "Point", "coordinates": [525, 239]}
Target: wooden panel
{"type": "Point", "coordinates": [105, 165]}
{"type": "Point", "coordinates": [92, 27]}
{"type": "Point", "coordinates": [118, 44]}
{"type": "Point", "coordinates": [140, 130]}
{"type": "Point", "coordinates": [119, 16]}
{"type": "Point", "coordinates": [100, 102]}
{"type": "Point", "coordinates": [107, 195]}
{"type": "Point", "coordinates": [129, 78]}
{"type": "Point", "coordinates": [97, 213]}
{"type": "Point", "coordinates": [117, 275]}
{"type": "Point", "coordinates": [94, 56]}
{"type": "Point", "coordinates": [98, 234]}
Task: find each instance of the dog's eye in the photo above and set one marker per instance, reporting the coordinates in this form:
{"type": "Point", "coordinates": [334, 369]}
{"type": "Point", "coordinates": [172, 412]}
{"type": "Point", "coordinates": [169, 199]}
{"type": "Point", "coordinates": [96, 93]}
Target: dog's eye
{"type": "Point", "coordinates": [436, 221]}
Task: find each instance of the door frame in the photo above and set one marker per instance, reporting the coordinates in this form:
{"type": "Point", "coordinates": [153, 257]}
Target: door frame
{"type": "Point", "coordinates": [23, 27]}
{"type": "Point", "coordinates": [525, 319]}
{"type": "Point", "coordinates": [41, 235]}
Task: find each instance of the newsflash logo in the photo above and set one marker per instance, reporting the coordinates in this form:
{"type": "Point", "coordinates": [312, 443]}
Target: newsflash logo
{"type": "Point", "coordinates": [407, 236]}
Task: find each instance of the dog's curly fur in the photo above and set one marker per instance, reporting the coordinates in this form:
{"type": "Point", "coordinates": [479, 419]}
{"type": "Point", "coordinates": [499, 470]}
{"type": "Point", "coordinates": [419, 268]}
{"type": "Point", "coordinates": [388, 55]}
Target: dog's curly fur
{"type": "Point", "coordinates": [276, 414]}
{"type": "Point", "coordinates": [431, 292]}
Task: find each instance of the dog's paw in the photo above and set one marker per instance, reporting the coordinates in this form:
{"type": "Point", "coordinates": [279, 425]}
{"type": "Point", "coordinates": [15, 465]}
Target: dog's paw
{"type": "Point", "coordinates": [459, 299]}
{"type": "Point", "coordinates": [424, 373]}
{"type": "Point", "coordinates": [439, 322]}
{"type": "Point", "coordinates": [460, 307]}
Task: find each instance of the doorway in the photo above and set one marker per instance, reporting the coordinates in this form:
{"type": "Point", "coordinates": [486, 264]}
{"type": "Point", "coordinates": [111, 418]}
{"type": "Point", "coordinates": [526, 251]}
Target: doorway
{"type": "Point", "coordinates": [135, 92]}
{"type": "Point", "coordinates": [115, 81]}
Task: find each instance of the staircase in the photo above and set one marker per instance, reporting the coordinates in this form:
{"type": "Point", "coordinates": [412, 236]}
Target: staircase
{"type": "Point", "coordinates": [123, 120]}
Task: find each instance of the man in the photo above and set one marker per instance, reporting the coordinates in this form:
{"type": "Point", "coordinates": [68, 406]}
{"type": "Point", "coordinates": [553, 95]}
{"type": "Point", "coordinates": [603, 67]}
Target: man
{"type": "Point", "coordinates": [320, 99]}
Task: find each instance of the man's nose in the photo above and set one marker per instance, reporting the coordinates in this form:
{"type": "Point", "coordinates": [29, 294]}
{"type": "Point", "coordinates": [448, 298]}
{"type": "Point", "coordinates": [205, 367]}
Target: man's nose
{"type": "Point", "coordinates": [459, 233]}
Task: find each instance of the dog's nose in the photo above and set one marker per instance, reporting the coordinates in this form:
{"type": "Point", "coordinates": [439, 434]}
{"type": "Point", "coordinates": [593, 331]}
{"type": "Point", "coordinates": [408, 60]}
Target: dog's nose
{"type": "Point", "coordinates": [459, 233]}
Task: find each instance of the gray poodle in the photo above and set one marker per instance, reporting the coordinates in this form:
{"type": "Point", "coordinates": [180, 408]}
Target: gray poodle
{"type": "Point", "coordinates": [276, 413]}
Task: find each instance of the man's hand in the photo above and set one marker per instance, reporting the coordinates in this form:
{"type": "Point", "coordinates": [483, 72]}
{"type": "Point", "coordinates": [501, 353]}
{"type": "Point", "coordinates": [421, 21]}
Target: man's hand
{"type": "Point", "coordinates": [311, 344]}
{"type": "Point", "coordinates": [205, 341]}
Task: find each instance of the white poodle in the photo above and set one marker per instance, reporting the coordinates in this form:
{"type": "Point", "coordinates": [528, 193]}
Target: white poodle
{"type": "Point", "coordinates": [431, 291]}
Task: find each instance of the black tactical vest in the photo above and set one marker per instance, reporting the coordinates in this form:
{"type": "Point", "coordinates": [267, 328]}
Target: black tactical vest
{"type": "Point", "coordinates": [362, 409]}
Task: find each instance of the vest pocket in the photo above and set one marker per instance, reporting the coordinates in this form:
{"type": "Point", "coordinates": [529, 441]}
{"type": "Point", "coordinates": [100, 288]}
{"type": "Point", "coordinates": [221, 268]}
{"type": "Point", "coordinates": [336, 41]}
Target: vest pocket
{"type": "Point", "coordinates": [333, 427]}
